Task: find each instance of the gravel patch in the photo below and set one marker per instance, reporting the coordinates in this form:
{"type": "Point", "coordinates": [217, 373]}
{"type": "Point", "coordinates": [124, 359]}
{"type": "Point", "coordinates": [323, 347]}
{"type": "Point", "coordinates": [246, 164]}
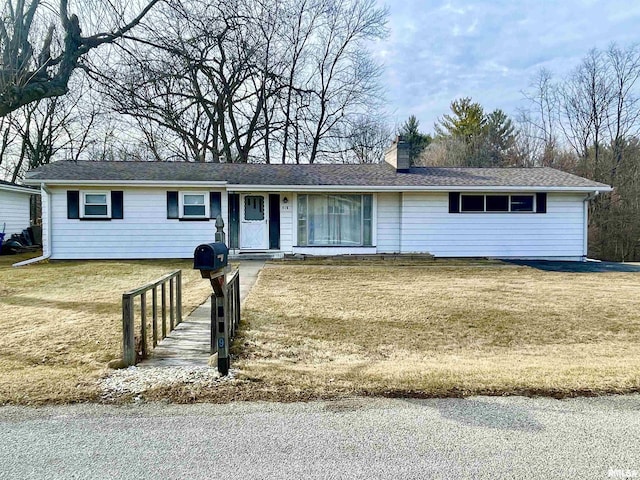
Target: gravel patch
{"type": "Point", "coordinates": [136, 381]}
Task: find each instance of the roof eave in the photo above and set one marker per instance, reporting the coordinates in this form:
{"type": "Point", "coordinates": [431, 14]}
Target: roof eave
{"type": "Point", "coordinates": [132, 183]}
{"type": "Point", "coordinates": [418, 188]}
{"type": "Point", "coordinates": [323, 188]}
{"type": "Point", "coordinates": [18, 189]}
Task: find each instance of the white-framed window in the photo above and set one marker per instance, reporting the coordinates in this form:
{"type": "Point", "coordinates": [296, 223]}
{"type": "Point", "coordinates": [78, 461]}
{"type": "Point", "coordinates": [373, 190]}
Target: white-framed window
{"type": "Point", "coordinates": [194, 205]}
{"type": "Point", "coordinates": [96, 205]}
{"type": "Point", "coordinates": [497, 203]}
{"type": "Point", "coordinates": [335, 220]}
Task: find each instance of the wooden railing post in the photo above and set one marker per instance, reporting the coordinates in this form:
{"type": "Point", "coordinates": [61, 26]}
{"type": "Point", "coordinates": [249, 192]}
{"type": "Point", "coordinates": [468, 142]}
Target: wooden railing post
{"type": "Point", "coordinates": [179, 297]}
{"type": "Point", "coordinates": [236, 299]}
{"type": "Point", "coordinates": [214, 346]}
{"type": "Point", "coordinates": [164, 309]}
{"type": "Point", "coordinates": [143, 325]}
{"type": "Point", "coordinates": [128, 337]}
{"type": "Point", "coordinates": [172, 301]}
{"type": "Point", "coordinates": [222, 335]}
{"type": "Point", "coordinates": [154, 315]}
{"type": "Point", "coordinates": [227, 310]}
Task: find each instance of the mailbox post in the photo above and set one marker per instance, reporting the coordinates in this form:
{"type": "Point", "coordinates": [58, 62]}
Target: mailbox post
{"type": "Point", "coordinates": [212, 261]}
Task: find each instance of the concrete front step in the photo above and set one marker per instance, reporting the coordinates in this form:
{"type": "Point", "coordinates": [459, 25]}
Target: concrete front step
{"type": "Point", "coordinates": [234, 256]}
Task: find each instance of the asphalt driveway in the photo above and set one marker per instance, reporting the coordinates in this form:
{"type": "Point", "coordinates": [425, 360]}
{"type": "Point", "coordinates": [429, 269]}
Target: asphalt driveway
{"type": "Point", "coordinates": [579, 267]}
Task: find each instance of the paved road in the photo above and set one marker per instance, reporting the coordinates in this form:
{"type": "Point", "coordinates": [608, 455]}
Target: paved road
{"type": "Point", "coordinates": [479, 437]}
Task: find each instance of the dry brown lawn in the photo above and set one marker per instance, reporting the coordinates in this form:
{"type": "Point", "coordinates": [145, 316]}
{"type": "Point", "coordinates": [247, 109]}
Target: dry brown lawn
{"type": "Point", "coordinates": [326, 331]}
{"type": "Point", "coordinates": [61, 322]}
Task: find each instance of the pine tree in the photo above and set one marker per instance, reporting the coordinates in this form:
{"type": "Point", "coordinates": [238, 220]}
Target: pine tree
{"type": "Point", "coordinates": [417, 140]}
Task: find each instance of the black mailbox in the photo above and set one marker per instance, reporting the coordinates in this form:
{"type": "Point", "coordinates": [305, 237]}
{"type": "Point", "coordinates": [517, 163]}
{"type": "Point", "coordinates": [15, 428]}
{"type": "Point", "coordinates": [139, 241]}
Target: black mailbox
{"type": "Point", "coordinates": [210, 256]}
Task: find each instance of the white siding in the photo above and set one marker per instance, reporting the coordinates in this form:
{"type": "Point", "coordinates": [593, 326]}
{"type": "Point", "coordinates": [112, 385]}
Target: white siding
{"type": "Point", "coordinates": [286, 222]}
{"type": "Point", "coordinates": [145, 231]}
{"type": "Point", "coordinates": [404, 222]}
{"type": "Point", "coordinates": [427, 226]}
{"type": "Point", "coordinates": [14, 211]}
{"type": "Point", "coordinates": [388, 223]}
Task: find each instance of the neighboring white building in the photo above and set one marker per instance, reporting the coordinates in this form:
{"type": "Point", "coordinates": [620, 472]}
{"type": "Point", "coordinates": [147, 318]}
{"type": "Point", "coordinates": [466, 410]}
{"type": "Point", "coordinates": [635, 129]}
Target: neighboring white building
{"type": "Point", "coordinates": [97, 210]}
{"type": "Point", "coordinates": [15, 207]}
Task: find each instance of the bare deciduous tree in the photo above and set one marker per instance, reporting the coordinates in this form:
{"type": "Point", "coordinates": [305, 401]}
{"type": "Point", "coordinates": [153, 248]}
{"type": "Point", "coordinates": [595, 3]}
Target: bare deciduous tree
{"type": "Point", "coordinates": [596, 112]}
{"type": "Point", "coordinates": [49, 129]}
{"type": "Point", "coordinates": [257, 80]}
{"type": "Point", "coordinates": [41, 45]}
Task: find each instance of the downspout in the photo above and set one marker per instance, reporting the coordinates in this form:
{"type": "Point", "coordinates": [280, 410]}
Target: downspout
{"type": "Point", "coordinates": [585, 209]}
{"type": "Point", "coordinates": [44, 189]}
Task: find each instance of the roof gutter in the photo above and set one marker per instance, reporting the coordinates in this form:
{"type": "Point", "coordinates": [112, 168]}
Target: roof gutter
{"type": "Point", "coordinates": [44, 189]}
{"type": "Point", "coordinates": [593, 195]}
{"type": "Point", "coordinates": [412, 188]}
{"type": "Point", "coordinates": [16, 188]}
{"type": "Point", "coordinates": [243, 187]}
{"type": "Point", "coordinates": [134, 183]}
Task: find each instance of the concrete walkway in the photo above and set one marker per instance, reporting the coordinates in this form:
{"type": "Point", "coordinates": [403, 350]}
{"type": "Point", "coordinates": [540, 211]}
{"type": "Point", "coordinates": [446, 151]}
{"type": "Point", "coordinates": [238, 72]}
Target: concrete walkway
{"type": "Point", "coordinates": [188, 345]}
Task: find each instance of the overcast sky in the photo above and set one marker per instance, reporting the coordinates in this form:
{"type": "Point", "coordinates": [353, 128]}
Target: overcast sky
{"type": "Point", "coordinates": [490, 50]}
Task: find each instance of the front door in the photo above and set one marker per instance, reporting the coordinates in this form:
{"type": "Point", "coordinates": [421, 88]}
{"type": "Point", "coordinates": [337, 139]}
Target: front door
{"type": "Point", "coordinates": [254, 222]}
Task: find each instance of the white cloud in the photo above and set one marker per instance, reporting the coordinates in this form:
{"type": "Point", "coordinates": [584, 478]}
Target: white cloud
{"type": "Point", "coordinates": [490, 49]}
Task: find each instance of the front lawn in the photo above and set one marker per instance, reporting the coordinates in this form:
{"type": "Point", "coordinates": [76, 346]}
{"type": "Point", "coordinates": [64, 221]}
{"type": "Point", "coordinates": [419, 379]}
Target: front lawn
{"type": "Point", "coordinates": [444, 329]}
{"type": "Point", "coordinates": [61, 322]}
{"type": "Point", "coordinates": [327, 331]}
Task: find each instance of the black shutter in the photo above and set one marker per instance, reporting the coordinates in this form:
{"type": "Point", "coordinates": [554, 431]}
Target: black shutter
{"type": "Point", "coordinates": [454, 202]}
{"type": "Point", "coordinates": [234, 220]}
{"type": "Point", "coordinates": [172, 205]}
{"type": "Point", "coordinates": [215, 204]}
{"type": "Point", "coordinates": [117, 208]}
{"type": "Point", "coordinates": [274, 221]}
{"type": "Point", "coordinates": [73, 204]}
{"type": "Point", "coordinates": [541, 203]}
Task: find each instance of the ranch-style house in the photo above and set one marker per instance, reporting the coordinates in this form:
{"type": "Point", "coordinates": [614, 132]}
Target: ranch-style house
{"type": "Point", "coordinates": [131, 210]}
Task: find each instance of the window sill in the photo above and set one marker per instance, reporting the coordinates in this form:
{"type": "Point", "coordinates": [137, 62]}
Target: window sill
{"type": "Point", "coordinates": [186, 219]}
{"type": "Point", "coordinates": [95, 219]}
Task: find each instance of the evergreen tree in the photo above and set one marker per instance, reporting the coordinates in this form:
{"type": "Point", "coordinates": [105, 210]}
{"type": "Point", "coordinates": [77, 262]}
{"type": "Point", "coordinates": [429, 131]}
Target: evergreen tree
{"type": "Point", "coordinates": [417, 140]}
{"type": "Point", "coordinates": [487, 139]}
{"type": "Point", "coordinates": [467, 121]}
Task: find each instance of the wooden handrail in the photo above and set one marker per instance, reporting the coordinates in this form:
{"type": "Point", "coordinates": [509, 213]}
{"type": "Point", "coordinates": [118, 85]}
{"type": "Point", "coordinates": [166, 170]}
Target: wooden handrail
{"type": "Point", "coordinates": [130, 354]}
{"type": "Point", "coordinates": [155, 283]}
{"type": "Point", "coordinates": [233, 276]}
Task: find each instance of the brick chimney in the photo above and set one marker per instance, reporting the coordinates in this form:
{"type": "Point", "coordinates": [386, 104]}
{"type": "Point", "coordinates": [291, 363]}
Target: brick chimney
{"type": "Point", "coordinates": [397, 155]}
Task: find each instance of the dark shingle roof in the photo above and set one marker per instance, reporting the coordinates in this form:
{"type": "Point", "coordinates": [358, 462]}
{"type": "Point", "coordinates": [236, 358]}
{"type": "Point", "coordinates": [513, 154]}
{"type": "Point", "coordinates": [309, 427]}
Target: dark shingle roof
{"type": "Point", "coordinates": [371, 175]}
